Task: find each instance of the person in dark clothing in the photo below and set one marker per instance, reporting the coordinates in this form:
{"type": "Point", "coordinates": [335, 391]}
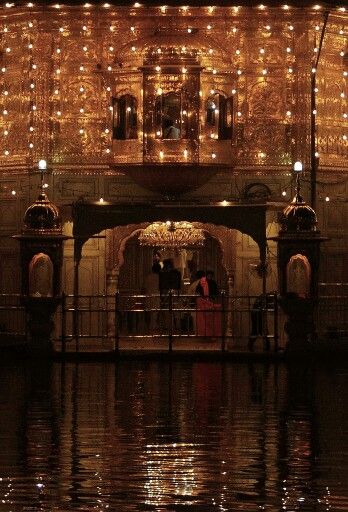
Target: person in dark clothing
{"type": "Point", "coordinates": [258, 320]}
{"type": "Point", "coordinates": [169, 277]}
{"type": "Point", "coordinates": [207, 286]}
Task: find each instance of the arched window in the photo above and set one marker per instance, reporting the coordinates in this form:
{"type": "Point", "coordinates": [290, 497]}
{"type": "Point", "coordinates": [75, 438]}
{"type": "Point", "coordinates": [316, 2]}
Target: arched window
{"type": "Point", "coordinates": [170, 119]}
{"type": "Point", "coordinates": [41, 276]}
{"type": "Point", "coordinates": [219, 115]}
{"type": "Point", "coordinates": [124, 122]}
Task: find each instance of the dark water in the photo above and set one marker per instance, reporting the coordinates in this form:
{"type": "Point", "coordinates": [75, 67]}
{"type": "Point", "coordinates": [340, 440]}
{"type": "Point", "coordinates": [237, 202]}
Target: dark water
{"type": "Point", "coordinates": [185, 436]}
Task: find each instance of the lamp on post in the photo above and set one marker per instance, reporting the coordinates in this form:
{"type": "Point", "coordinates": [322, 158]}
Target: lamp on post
{"type": "Point", "coordinates": [41, 251]}
{"type": "Point", "coordinates": [298, 168]}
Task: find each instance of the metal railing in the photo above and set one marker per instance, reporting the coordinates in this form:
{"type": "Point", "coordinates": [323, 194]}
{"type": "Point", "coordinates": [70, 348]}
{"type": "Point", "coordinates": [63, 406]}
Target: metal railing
{"type": "Point", "coordinates": [113, 323]}
{"type": "Point", "coordinates": [13, 323]}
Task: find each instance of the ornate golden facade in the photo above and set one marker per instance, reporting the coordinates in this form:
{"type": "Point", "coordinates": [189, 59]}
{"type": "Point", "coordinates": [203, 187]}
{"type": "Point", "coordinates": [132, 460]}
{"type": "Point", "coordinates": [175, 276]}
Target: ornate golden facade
{"type": "Point", "coordinates": [86, 88]}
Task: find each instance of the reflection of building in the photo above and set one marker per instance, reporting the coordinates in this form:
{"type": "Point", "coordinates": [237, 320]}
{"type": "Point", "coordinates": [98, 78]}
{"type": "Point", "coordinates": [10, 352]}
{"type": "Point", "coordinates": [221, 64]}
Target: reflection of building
{"type": "Point", "coordinates": [89, 87]}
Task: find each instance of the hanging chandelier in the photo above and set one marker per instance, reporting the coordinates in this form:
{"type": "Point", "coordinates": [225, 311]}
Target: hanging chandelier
{"type": "Point", "coordinates": [172, 235]}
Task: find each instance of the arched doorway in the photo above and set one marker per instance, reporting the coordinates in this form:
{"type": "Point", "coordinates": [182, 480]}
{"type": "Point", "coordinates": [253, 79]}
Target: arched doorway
{"type": "Point", "coordinates": [137, 262]}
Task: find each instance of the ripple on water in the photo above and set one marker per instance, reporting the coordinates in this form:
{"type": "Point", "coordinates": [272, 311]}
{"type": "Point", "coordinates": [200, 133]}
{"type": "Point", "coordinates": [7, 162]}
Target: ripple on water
{"type": "Point", "coordinates": [154, 436]}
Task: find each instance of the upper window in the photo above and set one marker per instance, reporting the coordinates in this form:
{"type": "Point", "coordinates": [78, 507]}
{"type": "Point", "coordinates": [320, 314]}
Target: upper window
{"type": "Point", "coordinates": [124, 122]}
{"type": "Point", "coordinates": [170, 119]}
{"type": "Point", "coordinates": [219, 112]}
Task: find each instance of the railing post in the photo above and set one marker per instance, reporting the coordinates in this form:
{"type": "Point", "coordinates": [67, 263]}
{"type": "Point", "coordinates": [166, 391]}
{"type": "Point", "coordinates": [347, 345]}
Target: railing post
{"type": "Point", "coordinates": [276, 324]}
{"type": "Point", "coordinates": [63, 326]}
{"type": "Point", "coordinates": [171, 319]}
{"type": "Point", "coordinates": [223, 338]}
{"type": "Point", "coordinates": [117, 323]}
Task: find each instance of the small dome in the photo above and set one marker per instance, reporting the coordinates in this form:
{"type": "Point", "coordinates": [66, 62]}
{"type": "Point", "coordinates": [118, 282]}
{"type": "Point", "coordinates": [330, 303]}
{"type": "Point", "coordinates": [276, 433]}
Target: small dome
{"type": "Point", "coordinates": [298, 216]}
{"type": "Point", "coordinates": [42, 216]}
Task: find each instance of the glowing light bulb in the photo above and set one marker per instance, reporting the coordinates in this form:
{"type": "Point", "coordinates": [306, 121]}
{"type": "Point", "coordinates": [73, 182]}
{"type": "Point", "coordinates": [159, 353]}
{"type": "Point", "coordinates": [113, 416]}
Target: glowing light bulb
{"type": "Point", "coordinates": [133, 48]}
{"type": "Point", "coordinates": [31, 145]}
{"type": "Point", "coordinates": [34, 66]}
{"type": "Point", "coordinates": [327, 199]}
{"type": "Point", "coordinates": [13, 192]}
{"type": "Point", "coordinates": [288, 113]}
{"type": "Point", "coordinates": [264, 71]}
{"type": "Point", "coordinates": [161, 154]}
{"type": "Point", "coordinates": [5, 93]}
{"type": "Point", "coordinates": [291, 27]}
{"type": "Point", "coordinates": [106, 130]}
{"type": "Point", "coordinates": [158, 68]}
{"type": "Point", "coordinates": [109, 68]}
{"type": "Point", "coordinates": [108, 88]}
{"type": "Point", "coordinates": [58, 50]}
{"type": "Point", "coordinates": [262, 50]}
{"type": "Point", "coordinates": [284, 193]}
{"type": "Point", "coordinates": [213, 155]}
{"type": "Point", "coordinates": [5, 112]}
{"type": "Point", "coordinates": [82, 110]}
{"type": "Point", "coordinates": [31, 128]}
{"type": "Point", "coordinates": [81, 130]}
{"type": "Point", "coordinates": [111, 48]}
{"type": "Point", "coordinates": [30, 46]}
{"type": "Point", "coordinates": [288, 50]}
{"type": "Point", "coordinates": [82, 88]}
{"type": "Point", "coordinates": [132, 29]}
{"type": "Point", "coordinates": [237, 51]}
{"type": "Point", "coordinates": [5, 132]}
{"type": "Point", "coordinates": [84, 28]}
{"type": "Point", "coordinates": [59, 113]}
{"type": "Point", "coordinates": [159, 91]}
{"type": "Point", "coordinates": [6, 152]}
{"type": "Point", "coordinates": [85, 48]}
{"type": "Point", "coordinates": [233, 91]}
{"type": "Point", "coordinates": [239, 72]}
{"type": "Point", "coordinates": [189, 30]}
{"type": "Point", "coordinates": [185, 153]}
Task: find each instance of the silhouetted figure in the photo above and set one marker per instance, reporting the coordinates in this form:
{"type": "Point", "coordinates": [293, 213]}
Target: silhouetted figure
{"type": "Point", "coordinates": [169, 277]}
{"type": "Point", "coordinates": [170, 131]}
{"type": "Point", "coordinates": [207, 286]}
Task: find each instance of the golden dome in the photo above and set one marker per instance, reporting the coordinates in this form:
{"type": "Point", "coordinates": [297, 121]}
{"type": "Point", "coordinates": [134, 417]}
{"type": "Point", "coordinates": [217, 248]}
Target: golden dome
{"type": "Point", "coordinates": [42, 216]}
{"type": "Point", "coordinates": [298, 216]}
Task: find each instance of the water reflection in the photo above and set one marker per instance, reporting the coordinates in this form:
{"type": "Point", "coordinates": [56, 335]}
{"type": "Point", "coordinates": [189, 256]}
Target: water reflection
{"type": "Point", "coordinates": [161, 436]}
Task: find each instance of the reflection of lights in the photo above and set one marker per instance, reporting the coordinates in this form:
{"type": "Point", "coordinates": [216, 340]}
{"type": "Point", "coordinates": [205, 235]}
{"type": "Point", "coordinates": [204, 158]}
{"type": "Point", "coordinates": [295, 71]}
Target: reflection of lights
{"type": "Point", "coordinates": [171, 471]}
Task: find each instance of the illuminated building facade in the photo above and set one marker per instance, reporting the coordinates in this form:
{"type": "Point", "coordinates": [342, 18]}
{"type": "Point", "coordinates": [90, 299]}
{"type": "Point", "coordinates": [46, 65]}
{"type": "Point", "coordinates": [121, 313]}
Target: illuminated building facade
{"type": "Point", "coordinates": [133, 104]}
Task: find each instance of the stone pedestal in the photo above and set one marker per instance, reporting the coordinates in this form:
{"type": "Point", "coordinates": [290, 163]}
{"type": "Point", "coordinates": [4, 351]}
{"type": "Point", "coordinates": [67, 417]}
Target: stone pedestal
{"type": "Point", "coordinates": [40, 312]}
{"type": "Point", "coordinates": [299, 325]}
